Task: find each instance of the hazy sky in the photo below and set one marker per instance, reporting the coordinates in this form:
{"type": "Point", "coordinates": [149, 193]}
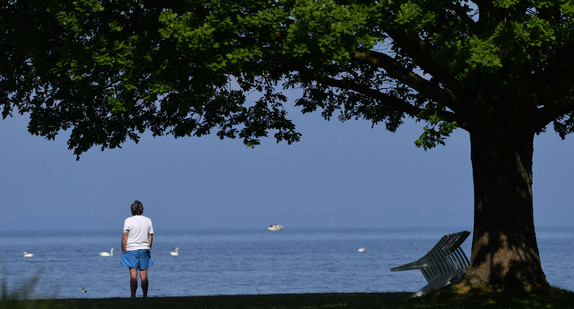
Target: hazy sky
{"type": "Point", "coordinates": [340, 175]}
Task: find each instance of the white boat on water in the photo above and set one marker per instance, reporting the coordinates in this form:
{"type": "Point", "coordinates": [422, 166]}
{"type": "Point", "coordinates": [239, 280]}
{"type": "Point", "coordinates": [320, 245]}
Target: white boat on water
{"type": "Point", "coordinates": [275, 227]}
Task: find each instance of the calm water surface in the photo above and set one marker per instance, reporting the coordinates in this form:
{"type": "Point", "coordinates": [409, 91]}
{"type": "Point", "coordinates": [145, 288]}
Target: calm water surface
{"type": "Point", "coordinates": [244, 261]}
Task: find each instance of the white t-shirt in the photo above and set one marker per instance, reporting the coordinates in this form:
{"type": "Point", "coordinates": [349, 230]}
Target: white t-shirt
{"type": "Point", "coordinates": [138, 229]}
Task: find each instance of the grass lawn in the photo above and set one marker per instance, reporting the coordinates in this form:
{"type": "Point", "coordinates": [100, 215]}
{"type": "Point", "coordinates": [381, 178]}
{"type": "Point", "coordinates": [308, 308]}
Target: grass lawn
{"type": "Point", "coordinates": [557, 299]}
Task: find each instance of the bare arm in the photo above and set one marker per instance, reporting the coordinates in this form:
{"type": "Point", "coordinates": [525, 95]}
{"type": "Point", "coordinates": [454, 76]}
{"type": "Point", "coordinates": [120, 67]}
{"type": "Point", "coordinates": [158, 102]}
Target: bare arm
{"type": "Point", "coordinates": [124, 241]}
{"type": "Point", "coordinates": [150, 239]}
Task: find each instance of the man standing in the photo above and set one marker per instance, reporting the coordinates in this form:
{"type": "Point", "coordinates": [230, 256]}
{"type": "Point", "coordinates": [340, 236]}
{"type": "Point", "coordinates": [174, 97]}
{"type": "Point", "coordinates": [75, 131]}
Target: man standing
{"type": "Point", "coordinates": [137, 239]}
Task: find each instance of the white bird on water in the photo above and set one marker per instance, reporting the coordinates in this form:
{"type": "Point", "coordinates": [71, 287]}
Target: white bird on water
{"type": "Point", "coordinates": [362, 249]}
{"type": "Point", "coordinates": [26, 254]}
{"type": "Point", "coordinates": [174, 253]}
{"type": "Point", "coordinates": [111, 253]}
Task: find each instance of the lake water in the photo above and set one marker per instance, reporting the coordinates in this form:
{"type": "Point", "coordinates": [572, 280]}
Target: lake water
{"type": "Point", "coordinates": [244, 261]}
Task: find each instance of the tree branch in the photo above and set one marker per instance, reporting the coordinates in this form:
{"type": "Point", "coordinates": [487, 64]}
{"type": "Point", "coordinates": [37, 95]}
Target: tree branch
{"type": "Point", "coordinates": [556, 86]}
{"type": "Point", "coordinates": [413, 80]}
{"type": "Point", "coordinates": [422, 52]}
{"type": "Point", "coordinates": [557, 109]}
{"type": "Point", "coordinates": [393, 102]}
{"type": "Point", "coordinates": [460, 12]}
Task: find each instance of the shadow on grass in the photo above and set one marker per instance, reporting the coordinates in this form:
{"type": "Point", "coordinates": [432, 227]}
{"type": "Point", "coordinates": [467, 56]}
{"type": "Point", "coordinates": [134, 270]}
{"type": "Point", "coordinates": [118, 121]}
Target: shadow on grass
{"type": "Point", "coordinates": [555, 299]}
{"type": "Point", "coordinates": [487, 298]}
{"type": "Point", "coordinates": [276, 301]}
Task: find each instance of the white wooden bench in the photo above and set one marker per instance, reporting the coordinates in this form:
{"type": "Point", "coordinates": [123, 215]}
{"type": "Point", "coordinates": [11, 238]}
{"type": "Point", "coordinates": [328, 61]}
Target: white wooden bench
{"type": "Point", "coordinates": [444, 264]}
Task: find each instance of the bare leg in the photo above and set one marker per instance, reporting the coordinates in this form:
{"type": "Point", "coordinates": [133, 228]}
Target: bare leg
{"type": "Point", "coordinates": [134, 281]}
{"type": "Point", "coordinates": [143, 276]}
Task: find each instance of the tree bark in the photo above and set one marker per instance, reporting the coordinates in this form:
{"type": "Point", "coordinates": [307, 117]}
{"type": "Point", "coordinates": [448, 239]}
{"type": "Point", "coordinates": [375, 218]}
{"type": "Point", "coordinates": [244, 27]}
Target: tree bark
{"type": "Point", "coordinates": [504, 248]}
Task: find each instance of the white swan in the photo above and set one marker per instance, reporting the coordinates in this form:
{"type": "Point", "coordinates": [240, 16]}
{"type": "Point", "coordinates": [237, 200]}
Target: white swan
{"type": "Point", "coordinates": [111, 253]}
{"type": "Point", "coordinates": [174, 253]}
{"type": "Point", "coordinates": [26, 254]}
{"type": "Point", "coordinates": [362, 249]}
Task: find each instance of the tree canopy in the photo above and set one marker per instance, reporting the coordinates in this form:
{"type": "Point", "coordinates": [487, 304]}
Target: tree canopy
{"type": "Point", "coordinates": [500, 69]}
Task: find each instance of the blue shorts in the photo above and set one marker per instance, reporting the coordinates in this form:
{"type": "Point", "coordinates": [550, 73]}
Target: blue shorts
{"type": "Point", "coordinates": [137, 259]}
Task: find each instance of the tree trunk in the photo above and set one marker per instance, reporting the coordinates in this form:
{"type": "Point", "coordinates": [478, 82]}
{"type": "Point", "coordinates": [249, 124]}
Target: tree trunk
{"type": "Point", "coordinates": [504, 249]}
